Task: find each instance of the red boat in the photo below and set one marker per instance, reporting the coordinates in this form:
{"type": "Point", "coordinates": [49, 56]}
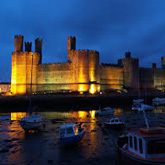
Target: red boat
{"type": "Point", "coordinates": [144, 145]}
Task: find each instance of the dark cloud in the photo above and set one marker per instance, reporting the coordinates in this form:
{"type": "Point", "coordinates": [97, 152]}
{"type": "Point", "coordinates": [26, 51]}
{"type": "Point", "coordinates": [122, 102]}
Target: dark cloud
{"type": "Point", "coordinates": [109, 26]}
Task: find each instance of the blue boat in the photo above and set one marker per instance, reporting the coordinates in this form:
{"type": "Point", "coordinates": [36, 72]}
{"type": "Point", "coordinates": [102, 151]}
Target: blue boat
{"type": "Point", "coordinates": [70, 133]}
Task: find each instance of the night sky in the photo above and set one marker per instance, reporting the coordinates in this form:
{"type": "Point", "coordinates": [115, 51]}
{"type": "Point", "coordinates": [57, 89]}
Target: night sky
{"type": "Point", "coordinates": [111, 27]}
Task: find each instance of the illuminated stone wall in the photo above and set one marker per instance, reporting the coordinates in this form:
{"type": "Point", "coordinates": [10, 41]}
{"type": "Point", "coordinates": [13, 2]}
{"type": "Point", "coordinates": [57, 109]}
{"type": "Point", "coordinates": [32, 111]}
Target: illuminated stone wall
{"type": "Point", "coordinates": [21, 72]}
{"type": "Point", "coordinates": [81, 73]}
{"type": "Point", "coordinates": [111, 77]}
{"type": "Point", "coordinates": [55, 77]}
{"type": "Point", "coordinates": [86, 69]}
{"type": "Point", "coordinates": [159, 79]}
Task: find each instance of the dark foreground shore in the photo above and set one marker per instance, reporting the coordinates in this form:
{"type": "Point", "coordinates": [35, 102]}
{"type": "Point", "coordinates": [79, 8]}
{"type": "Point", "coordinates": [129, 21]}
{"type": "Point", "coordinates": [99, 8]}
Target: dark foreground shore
{"type": "Point", "coordinates": [74, 102]}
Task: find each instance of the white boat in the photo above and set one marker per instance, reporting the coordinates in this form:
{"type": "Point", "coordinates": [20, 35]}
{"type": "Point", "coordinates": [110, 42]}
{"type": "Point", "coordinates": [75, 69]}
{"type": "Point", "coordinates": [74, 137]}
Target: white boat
{"type": "Point", "coordinates": [32, 122]}
{"type": "Point", "coordinates": [114, 123]}
{"type": "Point", "coordinates": [70, 134]}
{"type": "Point", "coordinates": [157, 99]}
{"type": "Point", "coordinates": [105, 111]}
{"type": "Point", "coordinates": [144, 145]}
{"type": "Point", "coordinates": [140, 107]}
{"type": "Point", "coordinates": [138, 100]}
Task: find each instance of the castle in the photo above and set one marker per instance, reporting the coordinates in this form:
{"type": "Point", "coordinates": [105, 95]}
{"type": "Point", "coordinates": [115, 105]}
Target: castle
{"type": "Point", "coordinates": [81, 73]}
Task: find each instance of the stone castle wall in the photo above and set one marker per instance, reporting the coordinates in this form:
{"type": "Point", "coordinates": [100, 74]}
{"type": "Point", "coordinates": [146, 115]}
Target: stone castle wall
{"type": "Point", "coordinates": [81, 73]}
{"type": "Point", "coordinates": [146, 78]}
{"type": "Point", "coordinates": [55, 77]}
{"type": "Point", "coordinates": [159, 79]}
{"type": "Point", "coordinates": [21, 71]}
{"type": "Point", "coordinates": [130, 71]}
{"type": "Point", "coordinates": [86, 68]}
{"type": "Point", "coordinates": [111, 77]}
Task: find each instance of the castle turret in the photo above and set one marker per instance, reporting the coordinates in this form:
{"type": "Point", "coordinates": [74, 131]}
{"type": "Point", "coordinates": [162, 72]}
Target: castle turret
{"type": "Point", "coordinates": [38, 47]}
{"type": "Point", "coordinates": [28, 46]}
{"type": "Point", "coordinates": [71, 47]}
{"type": "Point", "coordinates": [71, 43]}
{"type": "Point", "coordinates": [18, 43]}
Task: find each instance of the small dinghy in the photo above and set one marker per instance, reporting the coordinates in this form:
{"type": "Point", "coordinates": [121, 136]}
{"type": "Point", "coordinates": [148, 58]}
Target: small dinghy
{"type": "Point", "coordinates": [70, 133]}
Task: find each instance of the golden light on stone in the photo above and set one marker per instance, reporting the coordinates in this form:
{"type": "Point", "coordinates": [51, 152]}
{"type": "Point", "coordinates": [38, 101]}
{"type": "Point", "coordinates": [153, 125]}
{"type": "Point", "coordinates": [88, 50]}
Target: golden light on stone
{"type": "Point", "coordinates": [82, 67]}
{"type": "Point", "coordinates": [92, 88]}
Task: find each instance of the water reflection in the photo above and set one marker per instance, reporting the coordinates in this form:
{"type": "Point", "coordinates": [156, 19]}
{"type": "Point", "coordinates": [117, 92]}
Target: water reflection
{"type": "Point", "coordinates": [74, 114]}
{"type": "Point", "coordinates": [18, 115]}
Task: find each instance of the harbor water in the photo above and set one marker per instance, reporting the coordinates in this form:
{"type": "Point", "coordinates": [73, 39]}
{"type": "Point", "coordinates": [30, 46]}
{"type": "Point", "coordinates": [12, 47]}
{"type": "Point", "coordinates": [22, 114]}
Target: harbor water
{"type": "Point", "coordinates": [98, 146]}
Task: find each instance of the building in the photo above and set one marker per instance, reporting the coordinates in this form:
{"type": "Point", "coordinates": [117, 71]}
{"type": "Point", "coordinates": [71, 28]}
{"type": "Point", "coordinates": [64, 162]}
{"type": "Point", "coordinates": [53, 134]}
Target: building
{"type": "Point", "coordinates": [81, 73]}
{"type": "Point", "coordinates": [5, 87]}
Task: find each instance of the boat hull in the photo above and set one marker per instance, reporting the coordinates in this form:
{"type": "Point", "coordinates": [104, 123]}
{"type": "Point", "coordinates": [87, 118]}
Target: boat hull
{"type": "Point", "coordinates": [139, 159]}
{"type": "Point", "coordinates": [72, 139]}
{"type": "Point", "coordinates": [30, 125]}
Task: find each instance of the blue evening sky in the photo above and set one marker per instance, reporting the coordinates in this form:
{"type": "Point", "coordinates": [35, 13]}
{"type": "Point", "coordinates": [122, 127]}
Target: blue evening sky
{"type": "Point", "coordinates": [111, 27]}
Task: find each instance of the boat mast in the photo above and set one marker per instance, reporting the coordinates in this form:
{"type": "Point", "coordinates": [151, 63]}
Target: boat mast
{"type": "Point", "coordinates": [30, 105]}
{"type": "Point", "coordinates": [146, 120]}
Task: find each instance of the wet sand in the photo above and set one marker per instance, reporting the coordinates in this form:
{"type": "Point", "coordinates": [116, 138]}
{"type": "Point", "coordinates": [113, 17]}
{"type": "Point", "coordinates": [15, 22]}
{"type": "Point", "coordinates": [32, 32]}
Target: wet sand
{"type": "Point", "coordinates": [98, 146]}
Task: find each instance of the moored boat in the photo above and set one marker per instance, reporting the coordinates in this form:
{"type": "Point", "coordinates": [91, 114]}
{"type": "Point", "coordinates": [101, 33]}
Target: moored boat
{"type": "Point", "coordinates": [144, 145]}
{"type": "Point", "coordinates": [115, 123]}
{"type": "Point", "coordinates": [158, 101]}
{"type": "Point", "coordinates": [105, 111]}
{"type": "Point", "coordinates": [70, 133]}
{"type": "Point", "coordinates": [32, 122]}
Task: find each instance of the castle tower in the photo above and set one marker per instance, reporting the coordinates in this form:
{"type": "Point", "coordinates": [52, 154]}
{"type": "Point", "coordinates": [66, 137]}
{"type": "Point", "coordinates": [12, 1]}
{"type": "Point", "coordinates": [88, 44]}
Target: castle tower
{"type": "Point", "coordinates": [23, 64]}
{"type": "Point", "coordinates": [18, 79]}
{"type": "Point", "coordinates": [18, 43]}
{"type": "Point", "coordinates": [28, 46]}
{"type": "Point", "coordinates": [163, 62]}
{"type": "Point", "coordinates": [131, 71]}
{"type": "Point", "coordinates": [71, 47]}
{"type": "Point", "coordinates": [38, 48]}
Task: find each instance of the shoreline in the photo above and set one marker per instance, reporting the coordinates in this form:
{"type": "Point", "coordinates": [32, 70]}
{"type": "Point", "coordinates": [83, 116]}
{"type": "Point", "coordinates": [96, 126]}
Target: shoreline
{"type": "Point", "coordinates": [67, 102]}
